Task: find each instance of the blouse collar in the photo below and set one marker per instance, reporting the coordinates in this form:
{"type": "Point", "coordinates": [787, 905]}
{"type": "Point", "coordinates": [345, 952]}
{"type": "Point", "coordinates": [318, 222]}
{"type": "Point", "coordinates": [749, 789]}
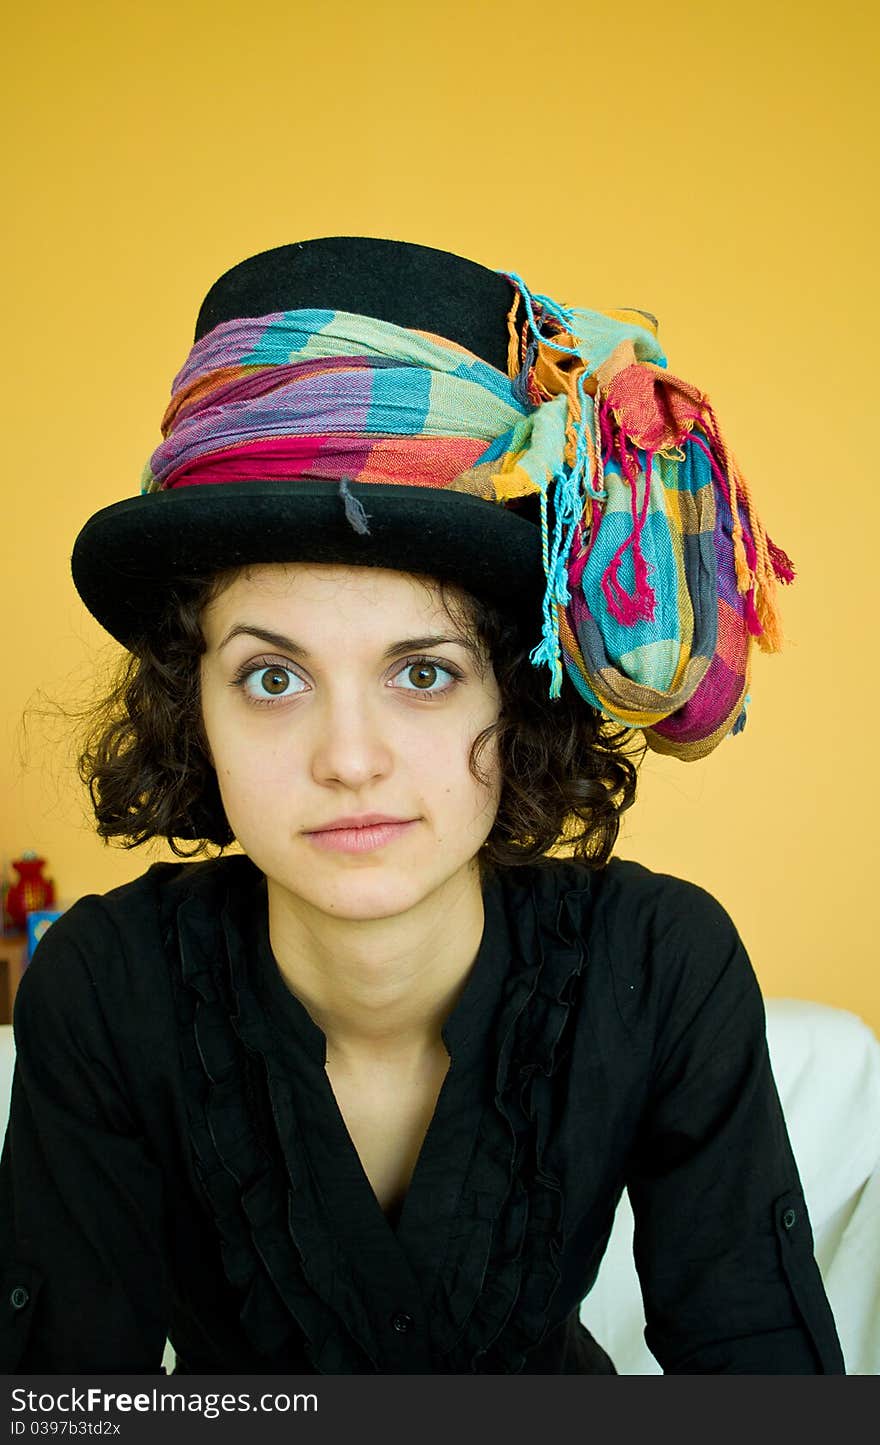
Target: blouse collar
{"type": "Point", "coordinates": [246, 926]}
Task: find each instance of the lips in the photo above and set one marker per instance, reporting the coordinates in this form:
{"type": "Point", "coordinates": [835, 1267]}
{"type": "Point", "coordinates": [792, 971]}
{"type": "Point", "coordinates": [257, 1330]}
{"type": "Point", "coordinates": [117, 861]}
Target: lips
{"type": "Point", "coordinates": [361, 834]}
{"type": "Point", "coordinates": [361, 820]}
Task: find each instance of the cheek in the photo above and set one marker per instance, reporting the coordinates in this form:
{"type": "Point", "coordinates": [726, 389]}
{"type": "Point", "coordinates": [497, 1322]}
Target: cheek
{"type": "Point", "coordinates": [252, 772]}
{"type": "Point", "coordinates": [477, 786]}
{"type": "Point", "coordinates": [246, 773]}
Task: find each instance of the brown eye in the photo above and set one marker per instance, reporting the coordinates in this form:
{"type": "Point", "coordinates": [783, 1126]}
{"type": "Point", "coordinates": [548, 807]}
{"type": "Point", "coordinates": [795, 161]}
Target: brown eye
{"type": "Point", "coordinates": [275, 680]}
{"type": "Point", "coordinates": [422, 674]}
{"type": "Point", "coordinates": [431, 679]}
{"type": "Point", "coordinates": [269, 685]}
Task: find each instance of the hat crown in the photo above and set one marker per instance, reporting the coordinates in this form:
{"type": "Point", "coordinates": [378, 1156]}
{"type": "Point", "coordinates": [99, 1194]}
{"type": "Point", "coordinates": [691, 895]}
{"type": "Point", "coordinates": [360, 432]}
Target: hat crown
{"type": "Point", "coordinates": [418, 287]}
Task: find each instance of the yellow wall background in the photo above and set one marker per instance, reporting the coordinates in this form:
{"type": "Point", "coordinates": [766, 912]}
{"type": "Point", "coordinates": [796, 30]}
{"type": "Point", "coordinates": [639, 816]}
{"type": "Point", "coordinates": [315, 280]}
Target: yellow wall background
{"type": "Point", "coordinates": [714, 164]}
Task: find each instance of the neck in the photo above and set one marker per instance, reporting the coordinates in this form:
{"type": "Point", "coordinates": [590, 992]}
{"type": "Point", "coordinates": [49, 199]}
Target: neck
{"type": "Point", "coordinates": [381, 988]}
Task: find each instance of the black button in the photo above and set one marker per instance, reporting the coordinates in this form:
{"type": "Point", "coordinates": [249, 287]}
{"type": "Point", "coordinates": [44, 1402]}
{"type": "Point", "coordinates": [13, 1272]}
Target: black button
{"type": "Point", "coordinates": [19, 1298]}
{"type": "Point", "coordinates": [402, 1323]}
{"type": "Point", "coordinates": [789, 1219]}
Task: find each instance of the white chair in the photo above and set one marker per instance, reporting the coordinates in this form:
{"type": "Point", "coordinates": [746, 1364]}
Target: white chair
{"type": "Point", "coordinates": [7, 1060]}
{"type": "Point", "coordinates": [827, 1068]}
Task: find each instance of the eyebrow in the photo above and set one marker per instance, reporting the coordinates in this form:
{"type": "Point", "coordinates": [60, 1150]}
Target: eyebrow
{"type": "Point", "coordinates": [287, 644]}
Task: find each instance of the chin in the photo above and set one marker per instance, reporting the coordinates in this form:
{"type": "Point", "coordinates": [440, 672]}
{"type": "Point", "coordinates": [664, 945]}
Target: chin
{"type": "Point", "coordinates": [362, 894]}
{"type": "Point", "coordinates": [363, 899]}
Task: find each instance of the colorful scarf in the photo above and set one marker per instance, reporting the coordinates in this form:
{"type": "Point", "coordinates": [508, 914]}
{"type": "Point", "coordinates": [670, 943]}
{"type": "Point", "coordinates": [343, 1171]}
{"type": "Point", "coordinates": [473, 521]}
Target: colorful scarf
{"type": "Point", "coordinates": [658, 571]}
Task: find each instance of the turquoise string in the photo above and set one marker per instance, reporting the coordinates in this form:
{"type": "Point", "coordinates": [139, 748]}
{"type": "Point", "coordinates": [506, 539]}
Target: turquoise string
{"type": "Point", "coordinates": [570, 483]}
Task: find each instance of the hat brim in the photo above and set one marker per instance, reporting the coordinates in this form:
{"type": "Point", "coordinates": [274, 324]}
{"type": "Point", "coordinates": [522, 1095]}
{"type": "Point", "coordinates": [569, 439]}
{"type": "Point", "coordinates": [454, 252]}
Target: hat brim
{"type": "Point", "coordinates": [129, 554]}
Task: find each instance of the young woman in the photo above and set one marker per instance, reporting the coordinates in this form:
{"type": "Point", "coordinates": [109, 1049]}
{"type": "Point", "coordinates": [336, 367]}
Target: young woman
{"type": "Point", "coordinates": [419, 557]}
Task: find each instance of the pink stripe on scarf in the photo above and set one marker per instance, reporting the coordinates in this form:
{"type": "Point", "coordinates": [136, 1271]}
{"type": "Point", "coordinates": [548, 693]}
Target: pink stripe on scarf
{"type": "Point", "coordinates": [408, 461]}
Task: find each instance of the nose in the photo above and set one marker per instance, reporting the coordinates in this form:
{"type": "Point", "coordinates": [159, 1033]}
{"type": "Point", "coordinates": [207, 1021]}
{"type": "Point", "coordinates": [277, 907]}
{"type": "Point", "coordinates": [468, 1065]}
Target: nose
{"type": "Point", "coordinates": [350, 745]}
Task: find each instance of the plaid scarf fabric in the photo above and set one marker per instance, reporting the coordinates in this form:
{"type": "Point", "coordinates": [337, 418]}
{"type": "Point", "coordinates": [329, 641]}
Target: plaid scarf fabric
{"type": "Point", "coordinates": [658, 570]}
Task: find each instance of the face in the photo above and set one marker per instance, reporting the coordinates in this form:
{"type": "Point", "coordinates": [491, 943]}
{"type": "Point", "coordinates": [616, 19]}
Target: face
{"type": "Point", "coordinates": [340, 705]}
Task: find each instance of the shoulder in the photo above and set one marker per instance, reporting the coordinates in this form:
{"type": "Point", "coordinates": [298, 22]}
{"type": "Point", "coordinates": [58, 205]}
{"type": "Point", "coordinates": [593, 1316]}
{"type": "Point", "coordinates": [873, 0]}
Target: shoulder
{"type": "Point", "coordinates": [111, 950]}
{"type": "Point", "coordinates": [624, 900]}
{"type": "Point", "coordinates": [661, 943]}
{"type": "Point", "coordinates": [660, 909]}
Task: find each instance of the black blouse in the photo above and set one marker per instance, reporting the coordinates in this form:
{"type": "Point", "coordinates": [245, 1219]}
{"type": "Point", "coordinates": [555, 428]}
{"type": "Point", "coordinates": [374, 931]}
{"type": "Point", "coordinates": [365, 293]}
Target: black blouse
{"type": "Point", "coordinates": [176, 1163]}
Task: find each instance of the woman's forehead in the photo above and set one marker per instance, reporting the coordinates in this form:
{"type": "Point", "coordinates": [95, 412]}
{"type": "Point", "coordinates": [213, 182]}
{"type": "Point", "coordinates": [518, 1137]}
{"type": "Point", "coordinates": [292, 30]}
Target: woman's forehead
{"type": "Point", "coordinates": [316, 589]}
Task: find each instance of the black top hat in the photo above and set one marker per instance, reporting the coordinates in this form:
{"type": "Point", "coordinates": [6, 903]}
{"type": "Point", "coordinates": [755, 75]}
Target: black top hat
{"type": "Point", "coordinates": [128, 554]}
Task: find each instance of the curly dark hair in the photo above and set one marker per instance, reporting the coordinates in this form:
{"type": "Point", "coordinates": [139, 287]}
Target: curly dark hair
{"type": "Point", "coordinates": [568, 773]}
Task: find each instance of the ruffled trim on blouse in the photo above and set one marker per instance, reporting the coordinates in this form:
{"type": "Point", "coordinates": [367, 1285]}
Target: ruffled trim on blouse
{"type": "Point", "coordinates": [493, 1296]}
{"type": "Point", "coordinates": [276, 1250]}
{"type": "Point", "coordinates": [497, 1284]}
